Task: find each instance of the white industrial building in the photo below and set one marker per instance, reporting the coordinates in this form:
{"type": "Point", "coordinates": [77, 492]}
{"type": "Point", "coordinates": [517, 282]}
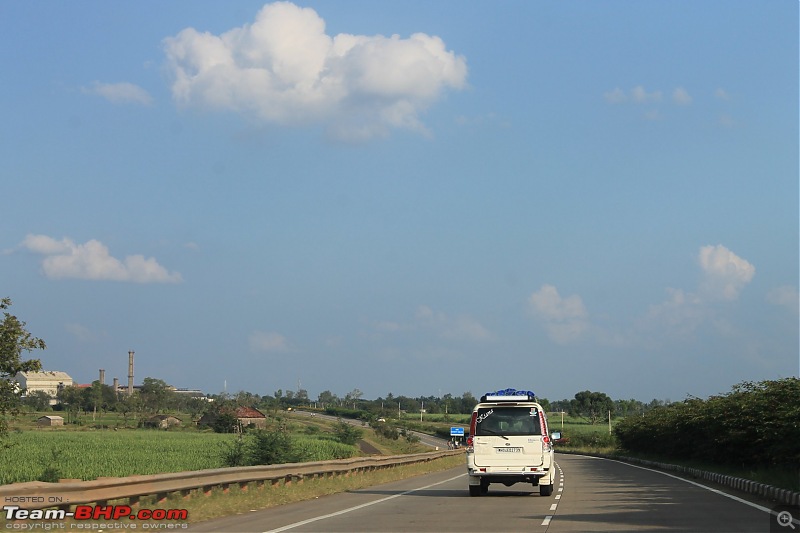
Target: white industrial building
{"type": "Point", "coordinates": [49, 382]}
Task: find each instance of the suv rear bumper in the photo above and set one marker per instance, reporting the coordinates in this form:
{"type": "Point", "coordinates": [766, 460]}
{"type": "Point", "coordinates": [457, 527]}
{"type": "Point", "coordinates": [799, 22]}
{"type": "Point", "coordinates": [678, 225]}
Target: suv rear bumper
{"type": "Point", "coordinates": [506, 476]}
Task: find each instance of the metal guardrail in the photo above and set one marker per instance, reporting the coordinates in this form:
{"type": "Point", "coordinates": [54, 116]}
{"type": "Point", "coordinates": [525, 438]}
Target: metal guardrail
{"type": "Point", "coordinates": [66, 493]}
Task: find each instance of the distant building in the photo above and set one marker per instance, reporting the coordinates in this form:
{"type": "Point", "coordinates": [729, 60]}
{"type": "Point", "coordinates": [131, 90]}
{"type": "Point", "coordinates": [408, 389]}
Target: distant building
{"type": "Point", "coordinates": [163, 422]}
{"type": "Point", "coordinates": [250, 415]}
{"type": "Point", "coordinates": [244, 415]}
{"type": "Point", "coordinates": [50, 420]}
{"type": "Point", "coordinates": [48, 382]}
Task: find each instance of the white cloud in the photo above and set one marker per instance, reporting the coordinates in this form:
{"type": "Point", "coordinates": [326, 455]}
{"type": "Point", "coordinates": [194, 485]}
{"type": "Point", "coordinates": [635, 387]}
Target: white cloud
{"type": "Point", "coordinates": [453, 328]}
{"type": "Point", "coordinates": [722, 94]}
{"type": "Point", "coordinates": [84, 334]}
{"type": "Point", "coordinates": [681, 314]}
{"type": "Point", "coordinates": [641, 96]}
{"type": "Point", "coordinates": [681, 97]}
{"type": "Point", "coordinates": [565, 319]}
{"type": "Point", "coordinates": [65, 259]}
{"type": "Point", "coordinates": [283, 68]}
{"type": "Point", "coordinates": [120, 93]}
{"type": "Point", "coordinates": [785, 296]}
{"type": "Point", "coordinates": [268, 341]}
{"type": "Point", "coordinates": [617, 96]}
{"type": "Point", "coordinates": [725, 272]}
{"type": "Point", "coordinates": [724, 275]}
{"type": "Point", "coordinates": [459, 328]}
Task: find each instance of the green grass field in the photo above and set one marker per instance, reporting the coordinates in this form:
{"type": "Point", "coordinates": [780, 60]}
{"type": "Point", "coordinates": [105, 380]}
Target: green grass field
{"type": "Point", "coordinates": [92, 454]}
{"type": "Point", "coordinates": [83, 452]}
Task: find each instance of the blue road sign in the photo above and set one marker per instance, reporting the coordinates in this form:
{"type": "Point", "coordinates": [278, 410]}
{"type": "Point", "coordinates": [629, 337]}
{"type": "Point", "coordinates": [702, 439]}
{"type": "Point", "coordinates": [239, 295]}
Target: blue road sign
{"type": "Point", "coordinates": [456, 432]}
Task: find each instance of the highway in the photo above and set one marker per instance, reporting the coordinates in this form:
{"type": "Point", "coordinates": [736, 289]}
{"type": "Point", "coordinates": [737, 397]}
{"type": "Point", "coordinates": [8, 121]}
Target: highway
{"type": "Point", "coordinates": [591, 495]}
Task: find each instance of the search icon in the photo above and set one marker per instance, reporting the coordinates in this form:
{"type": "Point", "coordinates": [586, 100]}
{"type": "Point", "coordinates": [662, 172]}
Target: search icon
{"type": "Point", "coordinates": [785, 519]}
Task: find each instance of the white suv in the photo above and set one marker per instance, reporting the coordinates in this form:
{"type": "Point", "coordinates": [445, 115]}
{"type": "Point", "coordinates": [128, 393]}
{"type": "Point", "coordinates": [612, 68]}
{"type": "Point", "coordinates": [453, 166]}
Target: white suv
{"type": "Point", "coordinates": [509, 443]}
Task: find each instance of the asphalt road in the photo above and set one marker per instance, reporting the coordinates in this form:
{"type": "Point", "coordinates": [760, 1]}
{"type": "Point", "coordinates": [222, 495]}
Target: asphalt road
{"type": "Point", "coordinates": [591, 495]}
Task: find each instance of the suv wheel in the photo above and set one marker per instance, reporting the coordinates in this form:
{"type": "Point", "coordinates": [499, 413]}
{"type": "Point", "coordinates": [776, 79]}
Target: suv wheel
{"type": "Point", "coordinates": [474, 490]}
{"type": "Point", "coordinates": [545, 490]}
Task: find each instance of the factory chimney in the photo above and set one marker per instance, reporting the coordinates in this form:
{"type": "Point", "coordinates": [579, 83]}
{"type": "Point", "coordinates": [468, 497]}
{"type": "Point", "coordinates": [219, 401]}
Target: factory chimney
{"type": "Point", "coordinates": [130, 373]}
{"type": "Point", "coordinates": [102, 377]}
{"type": "Point", "coordinates": [116, 386]}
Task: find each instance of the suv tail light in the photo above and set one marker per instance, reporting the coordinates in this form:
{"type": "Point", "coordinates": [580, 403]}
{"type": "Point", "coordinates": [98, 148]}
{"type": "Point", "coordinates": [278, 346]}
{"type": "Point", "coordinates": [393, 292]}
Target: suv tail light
{"type": "Point", "coordinates": [470, 440]}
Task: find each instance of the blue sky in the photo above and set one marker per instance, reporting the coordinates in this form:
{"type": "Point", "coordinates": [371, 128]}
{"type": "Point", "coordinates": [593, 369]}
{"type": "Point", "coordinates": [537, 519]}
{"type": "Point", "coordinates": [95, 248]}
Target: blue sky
{"type": "Point", "coordinates": [407, 197]}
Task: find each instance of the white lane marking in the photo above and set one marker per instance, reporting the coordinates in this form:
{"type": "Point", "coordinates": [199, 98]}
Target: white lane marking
{"type": "Point", "coordinates": [553, 507]}
{"type": "Point", "coordinates": [731, 496]}
{"type": "Point", "coordinates": [546, 521]}
{"type": "Point", "coordinates": [558, 496]}
{"type": "Point", "coordinates": [560, 488]}
{"type": "Point", "coordinates": [345, 511]}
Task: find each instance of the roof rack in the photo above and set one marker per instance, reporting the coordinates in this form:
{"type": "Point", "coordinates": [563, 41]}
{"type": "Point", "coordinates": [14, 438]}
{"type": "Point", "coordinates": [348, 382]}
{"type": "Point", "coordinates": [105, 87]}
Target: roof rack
{"type": "Point", "coordinates": [509, 395]}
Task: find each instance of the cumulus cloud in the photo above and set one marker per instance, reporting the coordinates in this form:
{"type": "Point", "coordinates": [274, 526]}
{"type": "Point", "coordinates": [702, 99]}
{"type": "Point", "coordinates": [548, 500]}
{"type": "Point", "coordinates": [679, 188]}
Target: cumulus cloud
{"type": "Point", "coordinates": [65, 259]}
{"type": "Point", "coordinates": [722, 94]}
{"type": "Point", "coordinates": [455, 328]}
{"type": "Point", "coordinates": [725, 273]}
{"type": "Point", "coordinates": [268, 341]}
{"type": "Point", "coordinates": [565, 319]}
{"type": "Point", "coordinates": [617, 96]}
{"type": "Point", "coordinates": [120, 93]}
{"type": "Point", "coordinates": [283, 68]}
{"type": "Point", "coordinates": [785, 296]}
{"type": "Point", "coordinates": [640, 95]}
{"type": "Point", "coordinates": [681, 97]}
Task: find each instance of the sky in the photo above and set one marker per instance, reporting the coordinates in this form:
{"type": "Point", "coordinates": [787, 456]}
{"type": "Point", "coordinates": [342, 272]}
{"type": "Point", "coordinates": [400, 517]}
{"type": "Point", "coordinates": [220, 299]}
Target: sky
{"type": "Point", "coordinates": [416, 198]}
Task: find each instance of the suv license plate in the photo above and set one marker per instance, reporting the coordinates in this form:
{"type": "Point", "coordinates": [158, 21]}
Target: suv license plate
{"type": "Point", "coordinates": [509, 450]}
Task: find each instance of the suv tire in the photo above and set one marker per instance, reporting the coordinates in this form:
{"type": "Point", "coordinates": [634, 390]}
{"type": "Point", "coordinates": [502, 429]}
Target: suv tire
{"type": "Point", "coordinates": [545, 490]}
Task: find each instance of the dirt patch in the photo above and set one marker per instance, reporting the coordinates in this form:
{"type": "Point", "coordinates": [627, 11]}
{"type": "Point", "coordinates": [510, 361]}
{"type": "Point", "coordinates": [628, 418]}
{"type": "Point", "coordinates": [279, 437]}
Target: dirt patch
{"type": "Point", "coordinates": [367, 448]}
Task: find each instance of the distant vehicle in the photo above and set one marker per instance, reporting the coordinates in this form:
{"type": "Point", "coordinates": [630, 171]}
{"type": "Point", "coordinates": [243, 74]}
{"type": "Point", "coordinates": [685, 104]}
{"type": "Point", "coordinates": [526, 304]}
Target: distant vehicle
{"type": "Point", "coordinates": [381, 420]}
{"type": "Point", "coordinates": [509, 443]}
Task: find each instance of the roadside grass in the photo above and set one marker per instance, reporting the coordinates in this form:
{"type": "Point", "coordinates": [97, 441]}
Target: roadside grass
{"type": "Point", "coordinates": [252, 497]}
{"type": "Point", "coordinates": [80, 452]}
{"type": "Point", "coordinates": [238, 501]}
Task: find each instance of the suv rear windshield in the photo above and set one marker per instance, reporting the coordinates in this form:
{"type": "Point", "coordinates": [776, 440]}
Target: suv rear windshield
{"type": "Point", "coordinates": [508, 421]}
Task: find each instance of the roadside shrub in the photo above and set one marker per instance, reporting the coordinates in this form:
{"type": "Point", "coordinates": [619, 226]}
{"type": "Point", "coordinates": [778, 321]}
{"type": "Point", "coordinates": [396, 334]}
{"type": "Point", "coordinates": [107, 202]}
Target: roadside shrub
{"type": "Point", "coordinates": [756, 423]}
{"type": "Point", "coordinates": [235, 453]}
{"type": "Point", "coordinates": [347, 433]}
{"type": "Point", "coordinates": [386, 431]}
{"type": "Point", "coordinates": [272, 447]}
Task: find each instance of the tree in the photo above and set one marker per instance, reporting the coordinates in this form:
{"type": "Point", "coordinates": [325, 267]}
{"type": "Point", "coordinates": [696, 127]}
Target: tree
{"type": "Point", "coordinates": [14, 339]}
{"type": "Point", "coordinates": [155, 394]}
{"type": "Point", "coordinates": [327, 397]}
{"type": "Point", "coordinates": [591, 405]}
{"type": "Point", "coordinates": [37, 400]}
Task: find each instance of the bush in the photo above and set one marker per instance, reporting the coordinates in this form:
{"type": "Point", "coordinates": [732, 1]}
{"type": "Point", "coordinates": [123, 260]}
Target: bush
{"type": "Point", "coordinates": [756, 423]}
{"type": "Point", "coordinates": [272, 447]}
{"type": "Point", "coordinates": [347, 433]}
{"type": "Point", "coordinates": [235, 453]}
